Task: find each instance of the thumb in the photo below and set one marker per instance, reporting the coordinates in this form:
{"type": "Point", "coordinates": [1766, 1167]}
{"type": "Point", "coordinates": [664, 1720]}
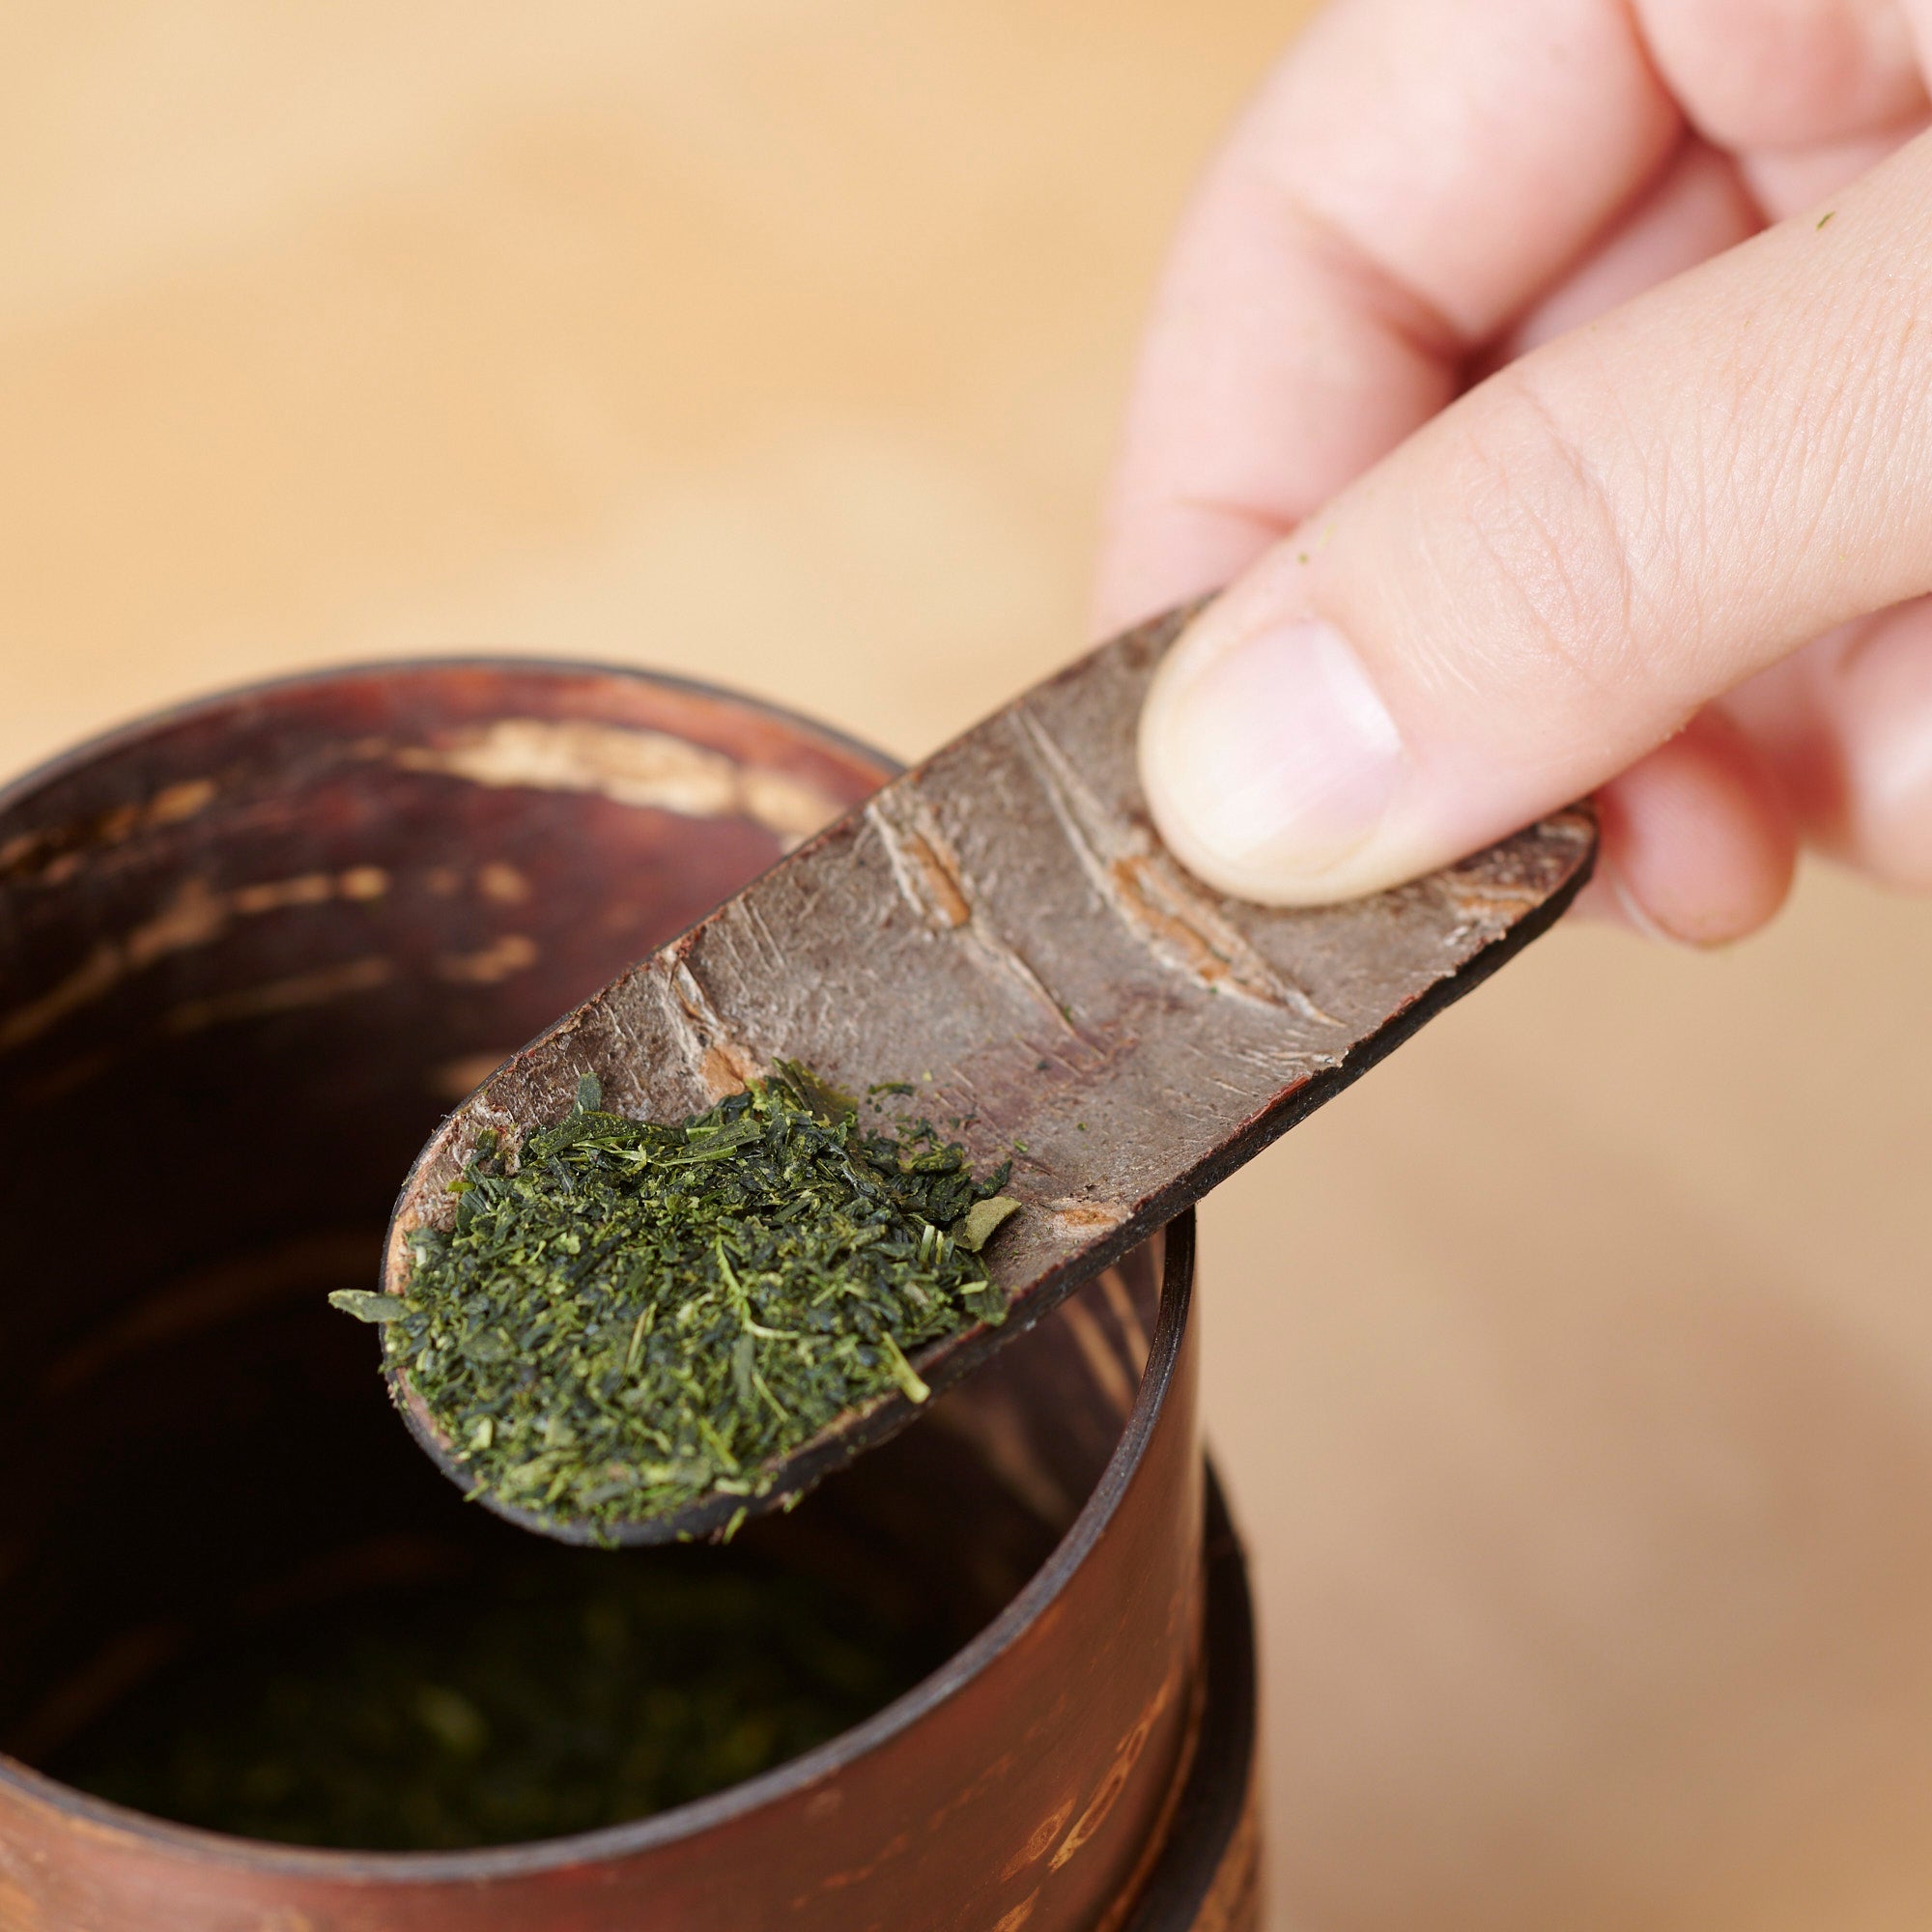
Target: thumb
{"type": "Point", "coordinates": [1553, 576]}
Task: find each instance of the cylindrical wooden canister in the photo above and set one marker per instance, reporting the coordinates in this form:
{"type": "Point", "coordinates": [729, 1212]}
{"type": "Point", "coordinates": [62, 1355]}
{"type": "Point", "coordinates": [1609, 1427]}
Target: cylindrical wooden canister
{"type": "Point", "coordinates": [248, 952]}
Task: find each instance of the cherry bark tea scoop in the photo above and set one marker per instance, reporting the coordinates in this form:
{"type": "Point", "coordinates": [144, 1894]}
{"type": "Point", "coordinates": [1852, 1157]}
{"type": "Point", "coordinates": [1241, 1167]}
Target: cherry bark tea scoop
{"type": "Point", "coordinates": [1000, 930]}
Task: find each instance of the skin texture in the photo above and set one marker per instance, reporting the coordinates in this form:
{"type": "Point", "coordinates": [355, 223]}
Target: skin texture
{"type": "Point", "coordinates": [1556, 378]}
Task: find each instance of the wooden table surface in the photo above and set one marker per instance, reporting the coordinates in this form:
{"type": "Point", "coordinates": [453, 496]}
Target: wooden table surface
{"type": "Point", "coordinates": [1574, 1372]}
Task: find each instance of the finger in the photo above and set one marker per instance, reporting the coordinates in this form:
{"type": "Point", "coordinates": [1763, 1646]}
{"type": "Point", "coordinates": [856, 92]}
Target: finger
{"type": "Point", "coordinates": [1555, 574]}
{"type": "Point", "coordinates": [1697, 844]}
{"type": "Point", "coordinates": [1784, 179]}
{"type": "Point", "coordinates": [1847, 728]}
{"type": "Point", "coordinates": [1785, 74]}
{"type": "Point", "coordinates": [1408, 179]}
{"type": "Point", "coordinates": [1698, 209]}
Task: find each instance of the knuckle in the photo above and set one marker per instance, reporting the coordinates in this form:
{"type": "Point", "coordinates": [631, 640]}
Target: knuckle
{"type": "Point", "coordinates": [1543, 545]}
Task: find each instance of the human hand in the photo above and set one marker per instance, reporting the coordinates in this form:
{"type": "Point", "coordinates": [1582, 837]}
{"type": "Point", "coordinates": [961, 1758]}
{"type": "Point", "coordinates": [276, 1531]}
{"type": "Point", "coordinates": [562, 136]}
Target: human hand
{"type": "Point", "coordinates": [1664, 550]}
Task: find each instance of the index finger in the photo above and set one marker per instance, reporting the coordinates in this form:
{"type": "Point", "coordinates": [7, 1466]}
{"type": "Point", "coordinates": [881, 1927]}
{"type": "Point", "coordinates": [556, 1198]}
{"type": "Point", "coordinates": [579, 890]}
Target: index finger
{"type": "Point", "coordinates": [1410, 178]}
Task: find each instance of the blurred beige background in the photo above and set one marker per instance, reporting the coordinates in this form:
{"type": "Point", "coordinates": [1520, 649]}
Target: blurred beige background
{"type": "Point", "coordinates": [1574, 1372]}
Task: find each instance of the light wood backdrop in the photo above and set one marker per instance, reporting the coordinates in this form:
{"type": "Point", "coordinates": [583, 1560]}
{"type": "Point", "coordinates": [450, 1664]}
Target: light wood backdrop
{"type": "Point", "coordinates": [1574, 1372]}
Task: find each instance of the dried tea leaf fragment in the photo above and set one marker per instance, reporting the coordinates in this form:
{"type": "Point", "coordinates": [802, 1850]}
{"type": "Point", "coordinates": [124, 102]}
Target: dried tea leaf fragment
{"type": "Point", "coordinates": [366, 1305]}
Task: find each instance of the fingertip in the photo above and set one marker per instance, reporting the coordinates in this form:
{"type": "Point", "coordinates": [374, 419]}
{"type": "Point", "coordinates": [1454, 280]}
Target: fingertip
{"type": "Point", "coordinates": [1846, 725]}
{"type": "Point", "coordinates": [1697, 844]}
{"type": "Point", "coordinates": [1860, 752]}
{"type": "Point", "coordinates": [1607, 901]}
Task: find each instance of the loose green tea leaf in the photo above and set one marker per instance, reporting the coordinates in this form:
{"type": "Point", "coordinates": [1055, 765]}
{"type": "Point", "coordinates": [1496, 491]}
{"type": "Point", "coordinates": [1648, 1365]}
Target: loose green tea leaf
{"type": "Point", "coordinates": [560, 1694]}
{"type": "Point", "coordinates": [982, 1220]}
{"type": "Point", "coordinates": [640, 1315]}
{"type": "Point", "coordinates": [366, 1305]}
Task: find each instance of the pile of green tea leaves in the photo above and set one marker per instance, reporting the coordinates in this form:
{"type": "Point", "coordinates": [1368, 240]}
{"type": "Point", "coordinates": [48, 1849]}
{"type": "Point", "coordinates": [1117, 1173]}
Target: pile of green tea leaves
{"type": "Point", "coordinates": [572, 1691]}
{"type": "Point", "coordinates": [634, 1316]}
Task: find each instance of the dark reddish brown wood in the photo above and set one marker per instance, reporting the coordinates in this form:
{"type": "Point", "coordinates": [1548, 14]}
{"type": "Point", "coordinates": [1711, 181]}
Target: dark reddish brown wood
{"type": "Point", "coordinates": [1002, 926]}
{"type": "Point", "coordinates": [253, 949]}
